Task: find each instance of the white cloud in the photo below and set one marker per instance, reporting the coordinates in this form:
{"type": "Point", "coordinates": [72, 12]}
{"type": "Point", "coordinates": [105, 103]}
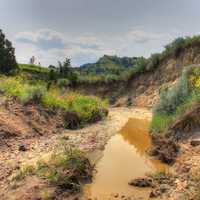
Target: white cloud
{"type": "Point", "coordinates": [142, 36]}
{"type": "Point", "coordinates": [49, 46]}
{"type": "Point", "coordinates": [34, 36]}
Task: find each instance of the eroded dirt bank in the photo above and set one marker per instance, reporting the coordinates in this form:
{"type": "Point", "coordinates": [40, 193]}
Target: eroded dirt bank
{"type": "Point", "coordinates": [28, 134]}
{"type": "Point", "coordinates": [30, 144]}
{"type": "Point", "coordinates": [143, 89]}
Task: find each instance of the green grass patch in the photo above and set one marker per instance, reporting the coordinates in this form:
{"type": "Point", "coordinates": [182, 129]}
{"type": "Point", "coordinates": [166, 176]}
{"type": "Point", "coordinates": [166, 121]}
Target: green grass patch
{"type": "Point", "coordinates": [85, 107]}
{"type": "Point", "coordinates": [16, 87]}
{"type": "Point", "coordinates": [161, 122]}
{"type": "Point", "coordinates": [33, 68]}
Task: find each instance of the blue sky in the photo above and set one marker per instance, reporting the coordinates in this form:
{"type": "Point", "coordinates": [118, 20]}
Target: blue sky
{"type": "Point", "coordinates": [84, 30]}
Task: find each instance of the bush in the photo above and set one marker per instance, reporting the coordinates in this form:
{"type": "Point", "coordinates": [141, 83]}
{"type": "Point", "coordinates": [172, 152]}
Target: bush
{"type": "Point", "coordinates": [175, 47]}
{"type": "Point", "coordinates": [140, 65]}
{"type": "Point", "coordinates": [86, 106]}
{"type": "Point", "coordinates": [172, 97]}
{"type": "Point", "coordinates": [36, 93]}
{"type": "Point", "coordinates": [176, 100]}
{"type": "Point", "coordinates": [153, 62]}
{"type": "Point", "coordinates": [63, 82]}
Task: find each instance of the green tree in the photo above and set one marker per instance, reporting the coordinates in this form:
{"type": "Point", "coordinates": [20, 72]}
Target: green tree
{"type": "Point", "coordinates": [64, 68]}
{"type": "Point", "coordinates": [140, 64]}
{"type": "Point", "coordinates": [65, 71]}
{"type": "Point", "coordinates": [8, 62]}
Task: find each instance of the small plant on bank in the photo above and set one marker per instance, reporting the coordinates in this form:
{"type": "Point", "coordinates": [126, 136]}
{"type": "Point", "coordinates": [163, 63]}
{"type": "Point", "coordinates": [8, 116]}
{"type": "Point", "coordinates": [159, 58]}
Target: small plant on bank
{"type": "Point", "coordinates": [64, 169]}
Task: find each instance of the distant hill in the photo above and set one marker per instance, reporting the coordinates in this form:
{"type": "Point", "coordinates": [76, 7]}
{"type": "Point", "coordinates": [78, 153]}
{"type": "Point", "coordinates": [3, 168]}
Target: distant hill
{"type": "Point", "coordinates": [109, 65]}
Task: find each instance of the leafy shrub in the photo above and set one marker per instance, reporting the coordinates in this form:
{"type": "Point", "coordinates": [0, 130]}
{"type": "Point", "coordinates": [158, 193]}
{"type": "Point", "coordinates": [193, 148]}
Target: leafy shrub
{"type": "Point", "coordinates": [36, 93]}
{"type": "Point", "coordinates": [177, 100]}
{"type": "Point", "coordinates": [153, 62]}
{"type": "Point", "coordinates": [140, 65]}
{"type": "Point", "coordinates": [86, 106]}
{"type": "Point", "coordinates": [171, 98]}
{"type": "Point", "coordinates": [63, 82]}
{"type": "Point", "coordinates": [175, 47]}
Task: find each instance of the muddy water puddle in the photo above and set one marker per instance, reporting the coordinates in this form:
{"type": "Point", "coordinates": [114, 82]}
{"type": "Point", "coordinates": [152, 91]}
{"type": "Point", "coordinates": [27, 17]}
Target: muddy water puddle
{"type": "Point", "coordinates": [124, 158]}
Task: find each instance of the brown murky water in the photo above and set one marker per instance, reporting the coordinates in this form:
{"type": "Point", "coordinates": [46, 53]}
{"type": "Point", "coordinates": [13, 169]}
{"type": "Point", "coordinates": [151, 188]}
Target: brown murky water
{"type": "Point", "coordinates": [124, 158]}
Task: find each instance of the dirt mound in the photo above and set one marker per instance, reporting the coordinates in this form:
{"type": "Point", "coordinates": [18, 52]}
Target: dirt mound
{"type": "Point", "coordinates": [165, 149]}
{"type": "Point", "coordinates": [29, 120]}
{"type": "Point", "coordinates": [186, 124]}
{"type": "Point", "coordinates": [21, 129]}
{"type": "Point", "coordinates": [141, 182]}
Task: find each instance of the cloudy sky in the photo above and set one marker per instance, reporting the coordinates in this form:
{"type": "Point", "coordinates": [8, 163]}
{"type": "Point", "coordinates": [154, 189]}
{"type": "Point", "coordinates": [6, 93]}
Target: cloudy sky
{"type": "Point", "coordinates": [84, 30]}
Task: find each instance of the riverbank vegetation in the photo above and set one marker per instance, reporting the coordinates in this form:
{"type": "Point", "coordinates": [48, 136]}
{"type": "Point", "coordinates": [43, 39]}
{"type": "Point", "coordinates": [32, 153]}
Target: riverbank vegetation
{"type": "Point", "coordinates": [176, 100]}
{"type": "Point", "coordinates": [64, 170]}
{"type": "Point", "coordinates": [86, 108]}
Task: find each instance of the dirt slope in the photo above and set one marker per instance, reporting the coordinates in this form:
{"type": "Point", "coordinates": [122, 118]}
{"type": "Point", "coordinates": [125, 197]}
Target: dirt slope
{"type": "Point", "coordinates": [143, 89]}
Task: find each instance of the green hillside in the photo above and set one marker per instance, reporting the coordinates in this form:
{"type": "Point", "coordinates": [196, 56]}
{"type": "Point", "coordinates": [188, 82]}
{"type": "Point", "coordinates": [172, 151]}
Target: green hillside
{"type": "Point", "coordinates": [109, 65]}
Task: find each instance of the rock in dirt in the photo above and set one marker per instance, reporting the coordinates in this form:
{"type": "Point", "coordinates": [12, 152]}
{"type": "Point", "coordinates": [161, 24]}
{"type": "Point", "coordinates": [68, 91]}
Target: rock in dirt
{"type": "Point", "coordinates": [195, 142]}
{"type": "Point", "coordinates": [116, 195]}
{"type": "Point", "coordinates": [159, 190]}
{"type": "Point", "coordinates": [22, 147]}
{"type": "Point", "coordinates": [165, 149]}
{"type": "Point", "coordinates": [72, 120]}
{"type": "Point", "coordinates": [155, 193]}
{"type": "Point", "coordinates": [141, 182]}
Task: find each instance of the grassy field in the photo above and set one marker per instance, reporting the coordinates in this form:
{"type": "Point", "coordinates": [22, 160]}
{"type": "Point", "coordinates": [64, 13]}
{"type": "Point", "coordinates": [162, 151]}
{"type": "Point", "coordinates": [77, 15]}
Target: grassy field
{"type": "Point", "coordinates": [33, 68]}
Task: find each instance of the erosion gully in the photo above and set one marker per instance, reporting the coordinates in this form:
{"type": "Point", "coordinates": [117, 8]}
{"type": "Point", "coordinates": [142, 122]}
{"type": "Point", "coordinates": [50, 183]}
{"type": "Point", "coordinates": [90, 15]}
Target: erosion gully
{"type": "Point", "coordinates": [124, 158]}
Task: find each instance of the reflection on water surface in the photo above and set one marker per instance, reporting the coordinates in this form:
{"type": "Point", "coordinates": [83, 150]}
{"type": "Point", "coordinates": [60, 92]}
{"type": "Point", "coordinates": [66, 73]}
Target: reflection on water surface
{"type": "Point", "coordinates": [124, 158]}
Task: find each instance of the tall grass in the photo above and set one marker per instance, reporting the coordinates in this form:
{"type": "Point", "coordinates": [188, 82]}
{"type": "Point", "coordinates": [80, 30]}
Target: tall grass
{"type": "Point", "coordinates": [23, 91]}
{"type": "Point", "coordinates": [86, 107]}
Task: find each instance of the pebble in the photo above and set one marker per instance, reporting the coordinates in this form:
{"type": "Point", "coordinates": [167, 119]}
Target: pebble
{"type": "Point", "coordinates": [22, 148]}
